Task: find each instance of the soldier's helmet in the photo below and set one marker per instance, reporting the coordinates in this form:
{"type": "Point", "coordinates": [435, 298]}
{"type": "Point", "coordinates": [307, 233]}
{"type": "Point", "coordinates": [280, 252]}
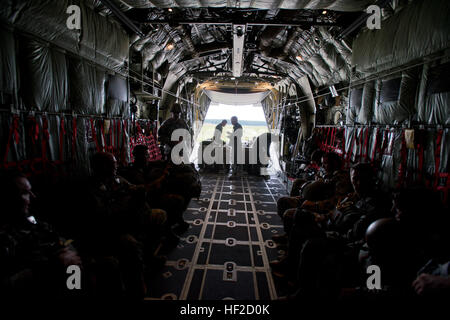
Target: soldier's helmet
{"type": "Point", "coordinates": [176, 108]}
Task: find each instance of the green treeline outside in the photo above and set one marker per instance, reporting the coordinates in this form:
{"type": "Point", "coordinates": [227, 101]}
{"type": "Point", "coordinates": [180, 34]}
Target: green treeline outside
{"type": "Point", "coordinates": [242, 122]}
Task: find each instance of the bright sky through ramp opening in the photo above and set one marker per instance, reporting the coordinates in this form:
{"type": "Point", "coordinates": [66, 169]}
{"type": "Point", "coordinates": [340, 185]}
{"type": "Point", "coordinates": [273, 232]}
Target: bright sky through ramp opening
{"type": "Point", "coordinates": [251, 117]}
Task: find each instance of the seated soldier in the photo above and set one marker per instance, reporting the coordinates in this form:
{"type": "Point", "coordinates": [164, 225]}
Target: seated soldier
{"type": "Point", "coordinates": [119, 223]}
{"type": "Point", "coordinates": [343, 225]}
{"type": "Point", "coordinates": [33, 257]}
{"type": "Point", "coordinates": [401, 246]}
{"type": "Point", "coordinates": [308, 173]}
{"type": "Point", "coordinates": [355, 212]}
{"type": "Point", "coordinates": [423, 238]}
{"type": "Point", "coordinates": [141, 172]}
{"type": "Point", "coordinates": [330, 177]}
{"type": "Point", "coordinates": [181, 180]}
{"type": "Point", "coordinates": [313, 192]}
{"type": "Point", "coordinates": [184, 180]}
{"type": "Point", "coordinates": [389, 249]}
{"type": "Point", "coordinates": [428, 233]}
{"type": "Point", "coordinates": [167, 129]}
{"type": "Point", "coordinates": [119, 203]}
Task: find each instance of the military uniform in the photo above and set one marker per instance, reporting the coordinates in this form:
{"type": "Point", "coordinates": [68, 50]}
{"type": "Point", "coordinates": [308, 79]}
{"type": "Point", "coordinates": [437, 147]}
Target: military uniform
{"type": "Point", "coordinates": [158, 196]}
{"type": "Point", "coordinates": [28, 255]}
{"type": "Point", "coordinates": [120, 208]}
{"type": "Point", "coordinates": [218, 133]}
{"type": "Point", "coordinates": [122, 229]}
{"type": "Point", "coordinates": [168, 127]}
{"type": "Point", "coordinates": [237, 145]}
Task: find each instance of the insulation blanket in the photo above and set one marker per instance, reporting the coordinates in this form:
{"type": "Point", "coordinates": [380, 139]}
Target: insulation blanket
{"type": "Point", "coordinates": [418, 30]}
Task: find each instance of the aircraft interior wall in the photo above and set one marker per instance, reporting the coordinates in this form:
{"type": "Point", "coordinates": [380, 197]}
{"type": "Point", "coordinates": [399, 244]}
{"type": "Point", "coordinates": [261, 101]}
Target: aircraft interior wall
{"type": "Point", "coordinates": [378, 96]}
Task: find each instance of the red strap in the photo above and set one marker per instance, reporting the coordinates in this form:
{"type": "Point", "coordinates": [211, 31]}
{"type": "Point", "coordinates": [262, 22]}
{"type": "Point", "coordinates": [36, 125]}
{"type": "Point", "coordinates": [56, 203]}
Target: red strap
{"type": "Point", "coordinates": [16, 129]}
{"type": "Point", "coordinates": [445, 175]}
{"type": "Point", "coordinates": [333, 135]}
{"type": "Point", "coordinates": [94, 135]}
{"type": "Point", "coordinates": [321, 135]}
{"type": "Point", "coordinates": [361, 137]}
{"type": "Point", "coordinates": [321, 138]}
{"type": "Point", "coordinates": [402, 167]}
{"type": "Point", "coordinates": [437, 156]}
{"type": "Point", "coordinates": [345, 142]}
{"type": "Point", "coordinates": [74, 136]}
{"type": "Point", "coordinates": [13, 131]}
{"type": "Point", "coordinates": [117, 133]}
{"type": "Point", "coordinates": [45, 138]}
{"type": "Point", "coordinates": [366, 144]}
{"type": "Point", "coordinates": [124, 139]}
{"type": "Point", "coordinates": [155, 153]}
{"type": "Point", "coordinates": [327, 141]}
{"type": "Point", "coordinates": [420, 149]}
{"type": "Point", "coordinates": [444, 188]}
{"type": "Point", "coordinates": [342, 146]}
{"type": "Point", "coordinates": [62, 132]}
{"type": "Point", "coordinates": [138, 127]}
{"type": "Point", "coordinates": [111, 133]}
{"type": "Point", "coordinates": [33, 130]}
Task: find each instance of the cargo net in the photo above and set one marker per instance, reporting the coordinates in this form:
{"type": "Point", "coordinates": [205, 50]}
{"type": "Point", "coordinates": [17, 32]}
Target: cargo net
{"type": "Point", "coordinates": [145, 137]}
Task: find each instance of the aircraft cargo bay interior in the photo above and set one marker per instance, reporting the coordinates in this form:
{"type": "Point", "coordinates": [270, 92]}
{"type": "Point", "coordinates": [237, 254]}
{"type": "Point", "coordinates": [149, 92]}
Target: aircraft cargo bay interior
{"type": "Point", "coordinates": [283, 152]}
